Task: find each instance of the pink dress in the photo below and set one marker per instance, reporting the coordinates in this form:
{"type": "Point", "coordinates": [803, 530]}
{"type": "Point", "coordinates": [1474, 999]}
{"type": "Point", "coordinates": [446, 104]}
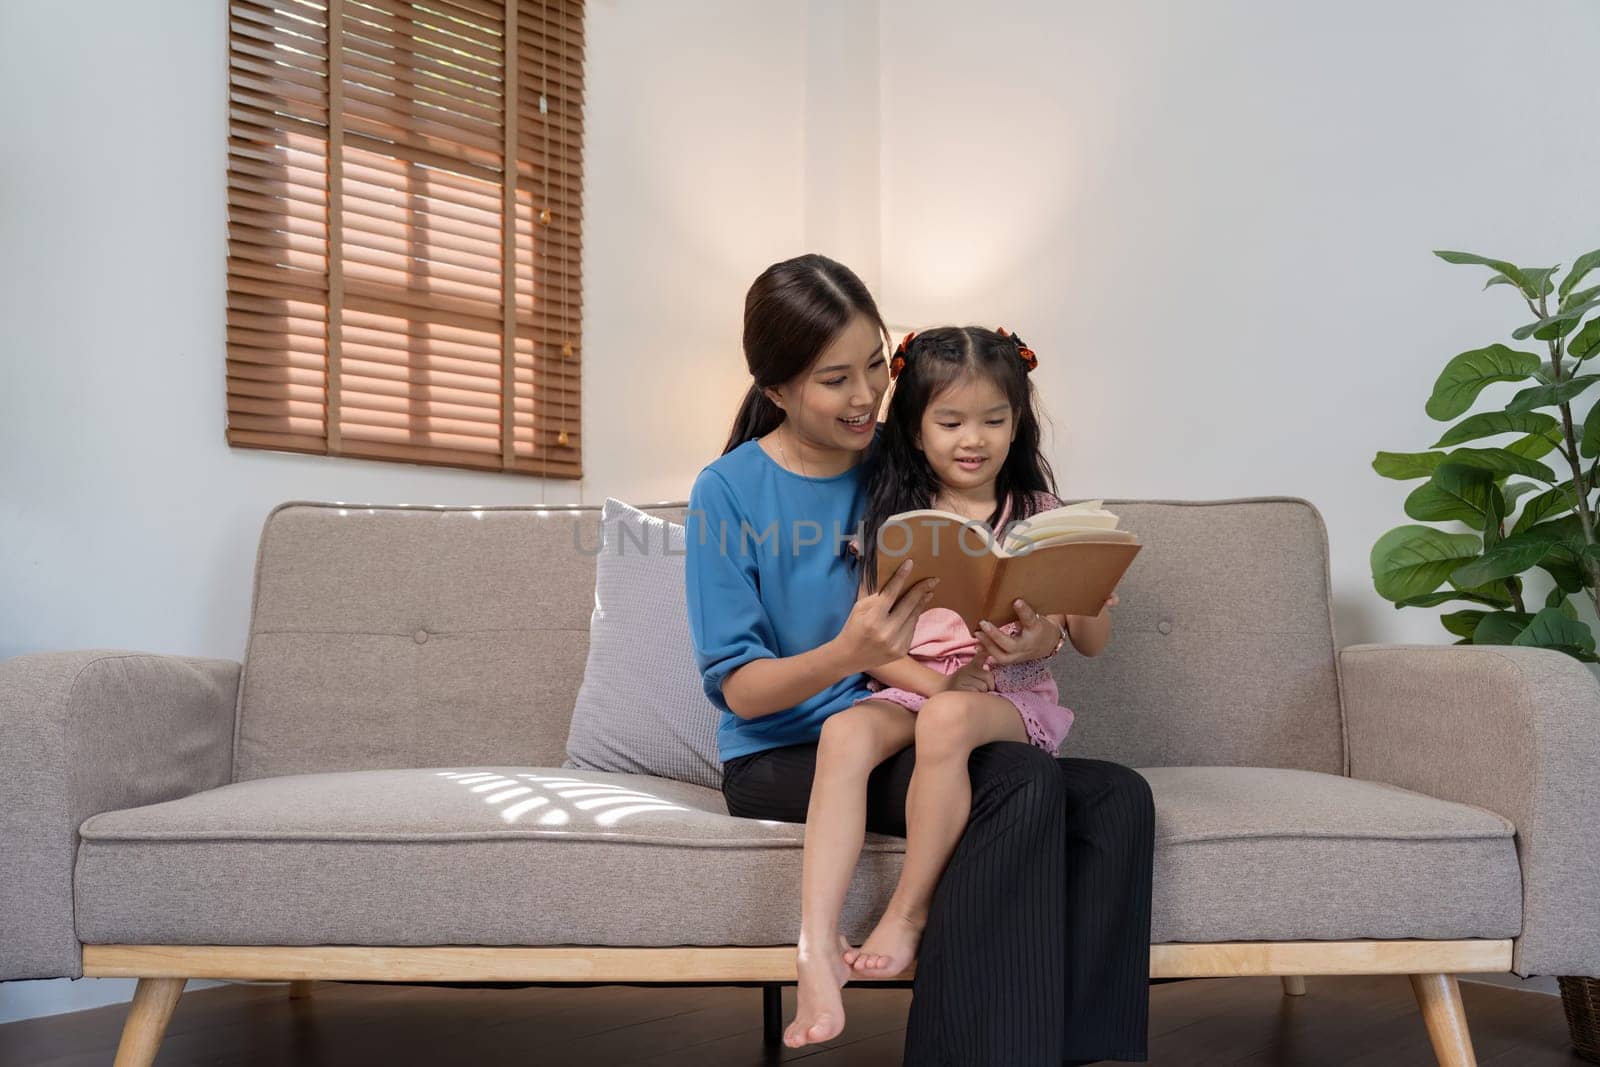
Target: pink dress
{"type": "Point", "coordinates": [943, 643]}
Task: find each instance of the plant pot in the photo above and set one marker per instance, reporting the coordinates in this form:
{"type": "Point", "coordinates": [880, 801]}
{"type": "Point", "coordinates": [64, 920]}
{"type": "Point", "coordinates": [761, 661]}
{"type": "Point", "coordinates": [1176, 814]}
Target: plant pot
{"type": "Point", "coordinates": [1581, 998]}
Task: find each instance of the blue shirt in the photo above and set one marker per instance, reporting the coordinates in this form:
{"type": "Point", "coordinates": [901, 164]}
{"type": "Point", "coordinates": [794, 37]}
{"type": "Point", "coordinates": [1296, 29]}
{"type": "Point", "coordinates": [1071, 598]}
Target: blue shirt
{"type": "Point", "coordinates": [768, 576]}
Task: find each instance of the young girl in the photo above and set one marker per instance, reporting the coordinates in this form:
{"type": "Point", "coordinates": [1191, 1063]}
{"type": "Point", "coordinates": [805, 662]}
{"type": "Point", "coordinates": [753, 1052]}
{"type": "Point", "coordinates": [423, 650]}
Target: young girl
{"type": "Point", "coordinates": [962, 436]}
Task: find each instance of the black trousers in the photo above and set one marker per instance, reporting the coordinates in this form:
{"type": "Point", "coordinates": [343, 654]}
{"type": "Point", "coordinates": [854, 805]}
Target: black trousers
{"type": "Point", "coordinates": [1037, 948]}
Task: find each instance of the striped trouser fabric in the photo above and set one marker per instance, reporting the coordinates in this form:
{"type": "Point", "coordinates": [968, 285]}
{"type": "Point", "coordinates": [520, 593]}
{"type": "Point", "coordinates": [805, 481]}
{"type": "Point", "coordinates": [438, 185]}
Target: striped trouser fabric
{"type": "Point", "coordinates": [1037, 948]}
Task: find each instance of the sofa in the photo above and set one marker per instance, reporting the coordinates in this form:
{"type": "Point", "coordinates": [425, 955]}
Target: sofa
{"type": "Point", "coordinates": [325, 809]}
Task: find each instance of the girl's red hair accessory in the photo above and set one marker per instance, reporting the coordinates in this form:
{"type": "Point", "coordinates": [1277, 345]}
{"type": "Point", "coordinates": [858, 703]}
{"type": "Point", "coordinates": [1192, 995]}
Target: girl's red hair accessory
{"type": "Point", "coordinates": [1028, 358]}
{"type": "Point", "coordinates": [898, 363]}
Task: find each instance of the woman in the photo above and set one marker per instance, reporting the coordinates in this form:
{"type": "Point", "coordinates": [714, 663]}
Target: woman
{"type": "Point", "coordinates": [1036, 949]}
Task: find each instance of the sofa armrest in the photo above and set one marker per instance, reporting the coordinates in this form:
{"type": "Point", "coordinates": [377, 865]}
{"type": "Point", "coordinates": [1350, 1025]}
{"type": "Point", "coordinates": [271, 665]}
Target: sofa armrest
{"type": "Point", "coordinates": [86, 732]}
{"type": "Point", "coordinates": [1511, 729]}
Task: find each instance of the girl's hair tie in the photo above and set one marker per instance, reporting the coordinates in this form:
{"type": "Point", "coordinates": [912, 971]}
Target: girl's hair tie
{"type": "Point", "coordinates": [1029, 360]}
{"type": "Point", "coordinates": [898, 363]}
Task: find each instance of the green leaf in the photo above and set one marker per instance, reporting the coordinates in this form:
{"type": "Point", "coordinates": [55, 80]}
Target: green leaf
{"type": "Point", "coordinates": [1552, 501]}
{"type": "Point", "coordinates": [1512, 556]}
{"type": "Point", "coordinates": [1589, 443]}
{"type": "Point", "coordinates": [1539, 278]}
{"type": "Point", "coordinates": [1586, 343]}
{"type": "Point", "coordinates": [1547, 371]}
{"type": "Point", "coordinates": [1543, 396]}
{"type": "Point", "coordinates": [1404, 466]}
{"type": "Point", "coordinates": [1490, 423]}
{"type": "Point", "coordinates": [1500, 461]}
{"type": "Point", "coordinates": [1409, 561]}
{"type": "Point", "coordinates": [1552, 629]}
{"type": "Point", "coordinates": [1465, 376]}
{"type": "Point", "coordinates": [1495, 590]}
{"type": "Point", "coordinates": [1576, 311]}
{"type": "Point", "coordinates": [1501, 628]}
{"type": "Point", "coordinates": [1455, 492]}
{"type": "Point", "coordinates": [1494, 517]}
{"type": "Point", "coordinates": [1582, 296]}
{"type": "Point", "coordinates": [1580, 266]}
{"type": "Point", "coordinates": [1462, 623]}
{"type": "Point", "coordinates": [1564, 325]}
{"type": "Point", "coordinates": [1514, 490]}
{"type": "Point", "coordinates": [1563, 561]}
{"type": "Point", "coordinates": [1569, 546]}
{"type": "Point", "coordinates": [1513, 274]}
{"type": "Point", "coordinates": [1561, 528]}
{"type": "Point", "coordinates": [1445, 596]}
{"type": "Point", "coordinates": [1568, 577]}
{"type": "Point", "coordinates": [1558, 599]}
{"type": "Point", "coordinates": [1534, 445]}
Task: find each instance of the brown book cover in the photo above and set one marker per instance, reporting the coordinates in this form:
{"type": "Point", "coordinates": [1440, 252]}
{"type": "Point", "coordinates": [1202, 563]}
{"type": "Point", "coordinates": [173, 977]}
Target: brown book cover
{"type": "Point", "coordinates": [1065, 561]}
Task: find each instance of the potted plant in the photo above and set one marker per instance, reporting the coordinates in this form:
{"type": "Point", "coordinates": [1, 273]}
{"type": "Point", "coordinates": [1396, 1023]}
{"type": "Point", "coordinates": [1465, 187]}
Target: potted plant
{"type": "Point", "coordinates": [1544, 461]}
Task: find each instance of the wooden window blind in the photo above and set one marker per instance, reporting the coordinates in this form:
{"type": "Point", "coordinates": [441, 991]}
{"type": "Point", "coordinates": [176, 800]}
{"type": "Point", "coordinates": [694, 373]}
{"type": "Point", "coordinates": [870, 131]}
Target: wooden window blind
{"type": "Point", "coordinates": [404, 218]}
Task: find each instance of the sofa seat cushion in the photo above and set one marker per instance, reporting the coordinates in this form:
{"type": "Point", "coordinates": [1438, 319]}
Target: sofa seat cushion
{"type": "Point", "coordinates": [451, 856]}
{"type": "Point", "coordinates": [1266, 854]}
{"type": "Point", "coordinates": [549, 856]}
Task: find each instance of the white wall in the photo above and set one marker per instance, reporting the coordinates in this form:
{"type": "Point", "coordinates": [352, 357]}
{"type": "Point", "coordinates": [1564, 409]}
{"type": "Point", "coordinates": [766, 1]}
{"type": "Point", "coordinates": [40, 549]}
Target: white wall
{"type": "Point", "coordinates": [125, 519]}
{"type": "Point", "coordinates": [1212, 221]}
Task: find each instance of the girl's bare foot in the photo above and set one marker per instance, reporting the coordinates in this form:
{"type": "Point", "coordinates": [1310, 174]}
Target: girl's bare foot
{"type": "Point", "coordinates": [819, 1007]}
{"type": "Point", "coordinates": [891, 948]}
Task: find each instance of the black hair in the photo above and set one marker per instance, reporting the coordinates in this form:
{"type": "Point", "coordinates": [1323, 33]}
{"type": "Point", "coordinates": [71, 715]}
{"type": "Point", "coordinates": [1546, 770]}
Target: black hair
{"type": "Point", "coordinates": [897, 471]}
{"type": "Point", "coordinates": [793, 311]}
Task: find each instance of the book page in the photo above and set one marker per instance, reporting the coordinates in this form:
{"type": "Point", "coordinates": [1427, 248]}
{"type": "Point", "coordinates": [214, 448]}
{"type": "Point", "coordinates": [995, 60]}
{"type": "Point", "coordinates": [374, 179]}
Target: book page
{"type": "Point", "coordinates": [1060, 536]}
{"type": "Point", "coordinates": [1084, 515]}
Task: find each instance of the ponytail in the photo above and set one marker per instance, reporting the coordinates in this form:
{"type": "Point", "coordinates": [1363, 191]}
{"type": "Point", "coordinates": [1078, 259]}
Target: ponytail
{"type": "Point", "coordinates": [757, 417]}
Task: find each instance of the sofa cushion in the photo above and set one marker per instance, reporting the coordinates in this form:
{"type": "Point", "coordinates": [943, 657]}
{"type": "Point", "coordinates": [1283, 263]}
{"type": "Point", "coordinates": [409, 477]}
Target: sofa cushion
{"type": "Point", "coordinates": [531, 856]}
{"type": "Point", "coordinates": [1259, 854]}
{"type": "Point", "coordinates": [641, 708]}
{"type": "Point", "coordinates": [492, 856]}
{"type": "Point", "coordinates": [415, 636]}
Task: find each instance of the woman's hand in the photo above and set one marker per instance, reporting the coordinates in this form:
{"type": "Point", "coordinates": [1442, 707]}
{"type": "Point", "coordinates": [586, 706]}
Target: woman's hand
{"type": "Point", "coordinates": [881, 624]}
{"type": "Point", "coordinates": [1036, 639]}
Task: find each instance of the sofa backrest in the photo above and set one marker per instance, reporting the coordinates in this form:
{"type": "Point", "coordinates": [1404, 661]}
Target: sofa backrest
{"type": "Point", "coordinates": [408, 636]}
{"type": "Point", "coordinates": [1222, 649]}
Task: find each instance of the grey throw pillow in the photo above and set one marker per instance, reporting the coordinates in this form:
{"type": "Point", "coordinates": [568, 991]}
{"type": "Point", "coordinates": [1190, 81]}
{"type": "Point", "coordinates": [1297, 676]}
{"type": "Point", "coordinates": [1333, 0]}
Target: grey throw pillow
{"type": "Point", "coordinates": [641, 709]}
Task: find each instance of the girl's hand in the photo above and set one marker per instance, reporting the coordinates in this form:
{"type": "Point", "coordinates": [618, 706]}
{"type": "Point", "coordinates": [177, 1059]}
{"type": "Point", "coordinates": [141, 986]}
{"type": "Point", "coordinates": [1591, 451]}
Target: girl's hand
{"type": "Point", "coordinates": [1037, 638]}
{"type": "Point", "coordinates": [881, 625]}
{"type": "Point", "coordinates": [973, 678]}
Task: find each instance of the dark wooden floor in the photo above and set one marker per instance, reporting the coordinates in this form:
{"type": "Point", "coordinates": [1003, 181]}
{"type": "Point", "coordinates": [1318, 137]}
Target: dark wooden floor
{"type": "Point", "coordinates": [1345, 1021]}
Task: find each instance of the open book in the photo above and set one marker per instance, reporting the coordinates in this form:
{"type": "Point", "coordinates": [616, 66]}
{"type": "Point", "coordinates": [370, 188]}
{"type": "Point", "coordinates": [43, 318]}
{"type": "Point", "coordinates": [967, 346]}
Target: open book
{"type": "Point", "coordinates": [1065, 561]}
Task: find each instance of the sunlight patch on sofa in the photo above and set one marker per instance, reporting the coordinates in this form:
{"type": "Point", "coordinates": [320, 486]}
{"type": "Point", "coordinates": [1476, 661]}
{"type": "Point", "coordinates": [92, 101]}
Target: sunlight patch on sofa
{"type": "Point", "coordinates": [602, 803]}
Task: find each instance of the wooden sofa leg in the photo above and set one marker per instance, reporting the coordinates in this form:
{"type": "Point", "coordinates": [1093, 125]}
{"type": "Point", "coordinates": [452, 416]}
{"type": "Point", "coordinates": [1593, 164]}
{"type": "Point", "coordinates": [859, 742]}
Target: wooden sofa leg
{"type": "Point", "coordinates": [153, 1001]}
{"type": "Point", "coordinates": [772, 1014]}
{"type": "Point", "coordinates": [1439, 996]}
{"type": "Point", "coordinates": [299, 990]}
{"type": "Point", "coordinates": [1294, 985]}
